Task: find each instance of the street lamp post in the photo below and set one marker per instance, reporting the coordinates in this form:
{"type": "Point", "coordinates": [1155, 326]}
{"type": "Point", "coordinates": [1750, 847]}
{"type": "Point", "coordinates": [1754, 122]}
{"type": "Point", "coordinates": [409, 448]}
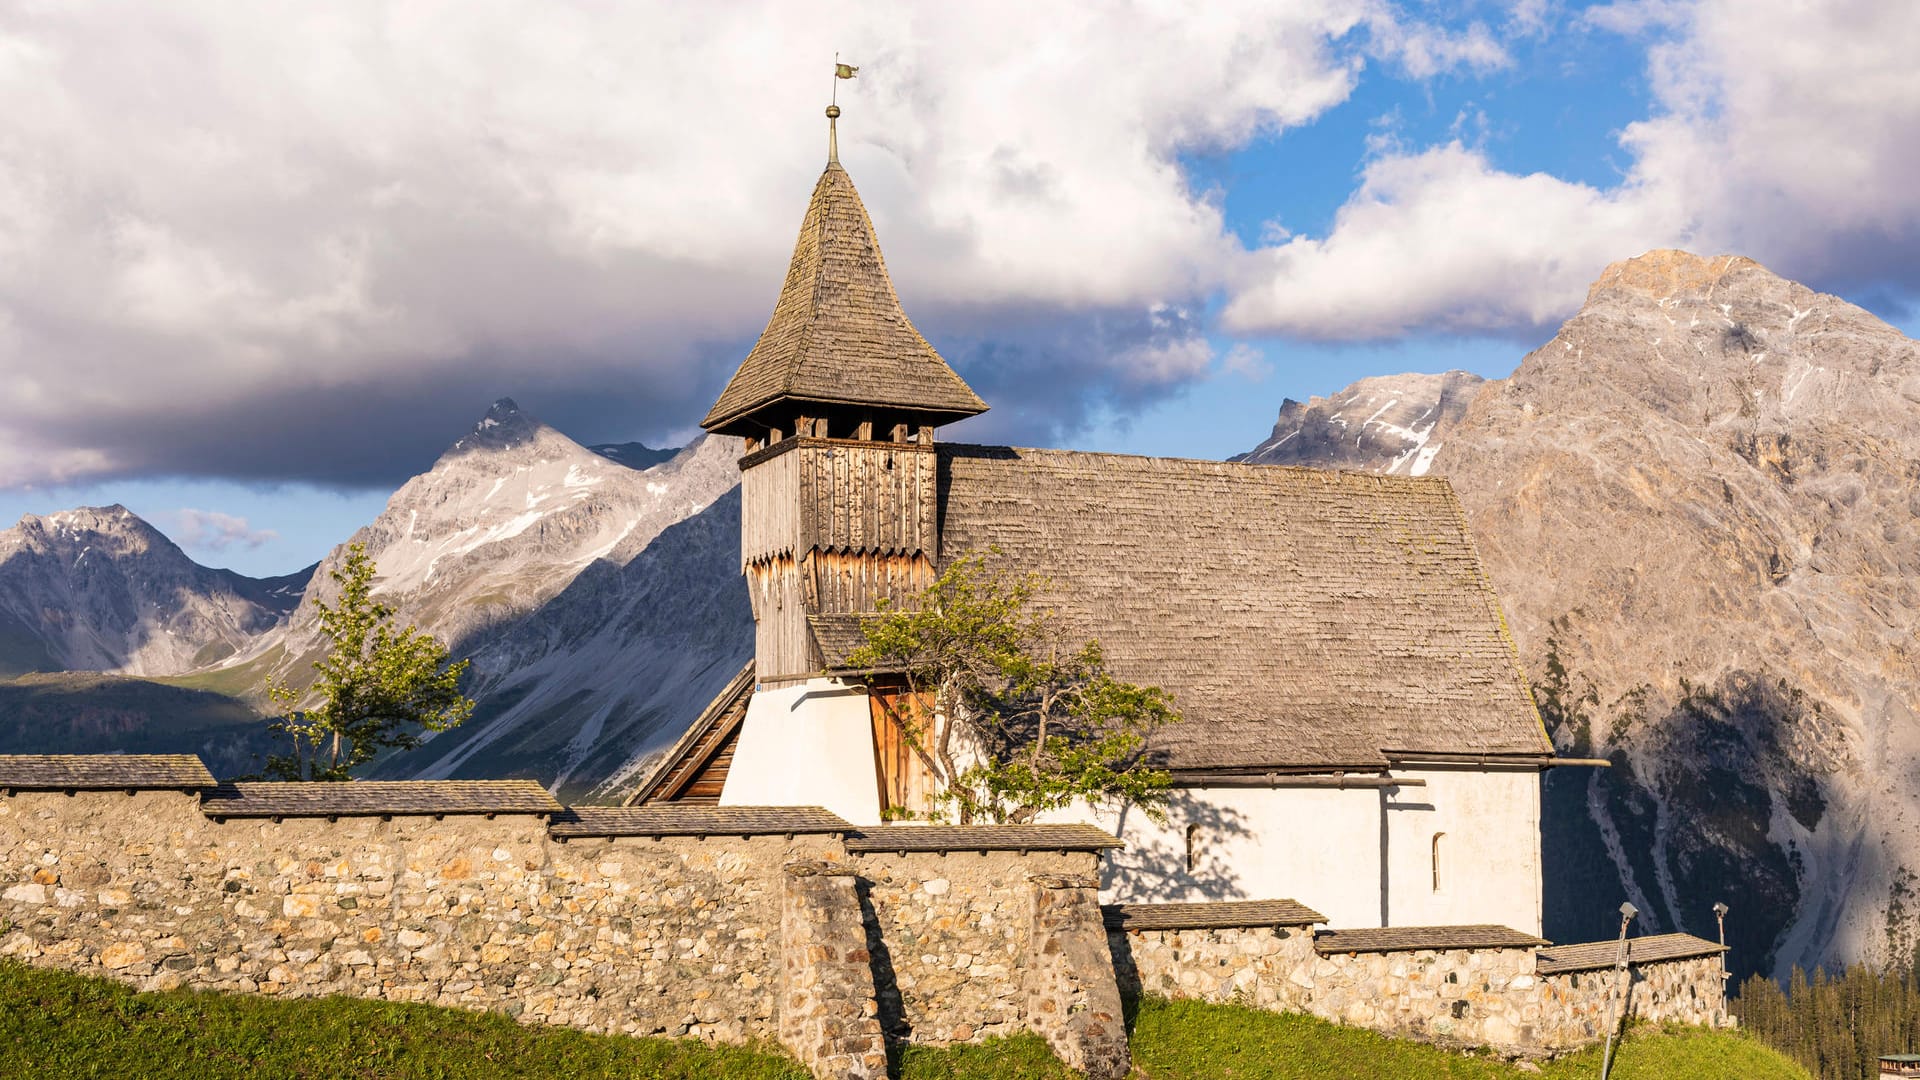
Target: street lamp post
{"type": "Point", "coordinates": [1720, 917]}
{"type": "Point", "coordinates": [1627, 912]}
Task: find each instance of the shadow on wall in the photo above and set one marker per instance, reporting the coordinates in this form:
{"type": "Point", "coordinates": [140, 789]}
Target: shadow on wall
{"type": "Point", "coordinates": [1187, 859]}
{"type": "Point", "coordinates": [886, 984]}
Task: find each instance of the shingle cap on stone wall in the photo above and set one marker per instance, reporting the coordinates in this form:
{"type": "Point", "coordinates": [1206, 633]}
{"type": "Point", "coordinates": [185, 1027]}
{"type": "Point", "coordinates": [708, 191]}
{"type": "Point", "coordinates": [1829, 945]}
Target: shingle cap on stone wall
{"type": "Point", "coordinates": [378, 798]}
{"type": "Point", "coordinates": [901, 839]}
{"type": "Point", "coordinates": [1212, 915]}
{"type": "Point", "coordinates": [684, 820]}
{"type": "Point", "coordinates": [1411, 938]}
{"type": "Point", "coordinates": [103, 772]}
{"type": "Point", "coordinates": [1595, 955]}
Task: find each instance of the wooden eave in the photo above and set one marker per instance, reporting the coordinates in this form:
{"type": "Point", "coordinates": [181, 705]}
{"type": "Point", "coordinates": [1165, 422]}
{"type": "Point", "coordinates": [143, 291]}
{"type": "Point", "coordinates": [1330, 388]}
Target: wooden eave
{"type": "Point", "coordinates": [711, 733]}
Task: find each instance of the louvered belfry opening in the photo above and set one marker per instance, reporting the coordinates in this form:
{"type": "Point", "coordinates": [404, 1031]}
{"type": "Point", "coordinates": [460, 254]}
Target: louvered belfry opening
{"type": "Point", "coordinates": [837, 402]}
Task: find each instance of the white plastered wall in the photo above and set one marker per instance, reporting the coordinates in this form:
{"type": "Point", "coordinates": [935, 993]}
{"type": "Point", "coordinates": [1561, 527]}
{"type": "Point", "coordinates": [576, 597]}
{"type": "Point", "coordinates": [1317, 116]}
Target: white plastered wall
{"type": "Point", "coordinates": [1489, 823]}
{"type": "Point", "coordinates": [1315, 845]}
{"type": "Point", "coordinates": [1362, 857]}
{"type": "Point", "coordinates": [807, 744]}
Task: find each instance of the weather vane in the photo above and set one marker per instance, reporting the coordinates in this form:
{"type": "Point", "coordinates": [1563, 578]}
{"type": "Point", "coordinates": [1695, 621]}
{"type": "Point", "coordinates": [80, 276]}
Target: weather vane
{"type": "Point", "coordinates": [840, 71]}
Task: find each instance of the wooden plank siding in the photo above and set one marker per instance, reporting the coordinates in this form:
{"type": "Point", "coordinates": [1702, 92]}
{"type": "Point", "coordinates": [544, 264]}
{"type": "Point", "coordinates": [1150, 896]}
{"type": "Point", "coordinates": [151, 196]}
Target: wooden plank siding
{"type": "Point", "coordinates": [839, 495]}
{"type": "Point", "coordinates": [833, 527]}
{"type": "Point", "coordinates": [782, 643]}
{"type": "Point", "coordinates": [840, 584]}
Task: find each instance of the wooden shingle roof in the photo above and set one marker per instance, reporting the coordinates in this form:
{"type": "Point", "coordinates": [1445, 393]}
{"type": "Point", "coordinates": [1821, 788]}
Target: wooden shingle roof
{"type": "Point", "coordinates": [381, 798]}
{"type": "Point", "coordinates": [1299, 617]}
{"type": "Point", "coordinates": [838, 334]}
{"type": "Point", "coordinates": [904, 838]}
{"type": "Point", "coordinates": [1594, 955]}
{"type": "Point", "coordinates": [103, 772]}
{"type": "Point", "coordinates": [1214, 915]}
{"type": "Point", "coordinates": [680, 819]}
{"type": "Point", "coordinates": [1411, 938]}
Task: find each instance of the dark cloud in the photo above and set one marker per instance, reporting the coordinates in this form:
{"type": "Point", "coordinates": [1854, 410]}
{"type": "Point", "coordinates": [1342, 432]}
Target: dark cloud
{"type": "Point", "coordinates": [278, 242]}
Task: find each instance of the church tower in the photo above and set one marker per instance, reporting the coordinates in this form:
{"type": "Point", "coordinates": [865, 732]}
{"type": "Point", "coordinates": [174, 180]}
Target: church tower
{"type": "Point", "coordinates": [837, 402]}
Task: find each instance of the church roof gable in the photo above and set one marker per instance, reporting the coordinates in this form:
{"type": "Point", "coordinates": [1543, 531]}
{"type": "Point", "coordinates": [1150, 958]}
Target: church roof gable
{"type": "Point", "coordinates": [838, 334]}
{"type": "Point", "coordinates": [1299, 617]}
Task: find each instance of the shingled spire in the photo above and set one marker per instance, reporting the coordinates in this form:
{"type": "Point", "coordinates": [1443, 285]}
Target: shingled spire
{"type": "Point", "coordinates": [839, 351]}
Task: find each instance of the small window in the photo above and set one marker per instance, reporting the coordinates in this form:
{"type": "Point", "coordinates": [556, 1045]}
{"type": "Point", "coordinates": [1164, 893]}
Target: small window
{"type": "Point", "coordinates": [1437, 838]}
{"type": "Point", "coordinates": [1195, 843]}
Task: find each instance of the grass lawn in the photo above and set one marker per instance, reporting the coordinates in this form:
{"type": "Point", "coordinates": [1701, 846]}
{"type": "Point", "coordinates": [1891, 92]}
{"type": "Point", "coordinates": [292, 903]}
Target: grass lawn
{"type": "Point", "coordinates": [1185, 1040]}
{"type": "Point", "coordinates": [56, 1025]}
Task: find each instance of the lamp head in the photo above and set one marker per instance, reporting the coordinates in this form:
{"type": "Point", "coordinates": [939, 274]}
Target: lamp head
{"type": "Point", "coordinates": [1719, 910]}
{"type": "Point", "coordinates": [1628, 911]}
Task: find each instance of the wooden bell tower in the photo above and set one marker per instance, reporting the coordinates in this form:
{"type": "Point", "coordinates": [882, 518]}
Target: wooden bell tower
{"type": "Point", "coordinates": [838, 402]}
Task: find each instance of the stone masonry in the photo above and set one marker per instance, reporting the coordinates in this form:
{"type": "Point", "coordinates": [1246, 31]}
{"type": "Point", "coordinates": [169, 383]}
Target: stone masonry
{"type": "Point", "coordinates": [679, 935]}
{"type": "Point", "coordinates": [829, 1017]}
{"type": "Point", "coordinates": [1454, 997]}
{"type": "Point", "coordinates": [683, 926]}
{"type": "Point", "coordinates": [1072, 998]}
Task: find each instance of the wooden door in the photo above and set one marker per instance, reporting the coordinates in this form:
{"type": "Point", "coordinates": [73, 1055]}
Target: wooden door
{"type": "Point", "coordinates": [905, 772]}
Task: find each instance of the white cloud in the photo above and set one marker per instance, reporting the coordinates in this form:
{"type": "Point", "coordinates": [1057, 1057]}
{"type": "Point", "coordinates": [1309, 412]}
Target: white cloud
{"type": "Point", "coordinates": [211, 530]}
{"type": "Point", "coordinates": [1442, 240]}
{"type": "Point", "coordinates": [1425, 50]}
{"type": "Point", "coordinates": [1247, 362]}
{"type": "Point", "coordinates": [1787, 135]}
{"type": "Point", "coordinates": [239, 237]}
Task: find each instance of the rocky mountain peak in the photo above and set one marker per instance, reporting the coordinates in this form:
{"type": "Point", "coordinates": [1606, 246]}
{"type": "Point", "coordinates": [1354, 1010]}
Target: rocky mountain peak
{"type": "Point", "coordinates": [504, 426]}
{"type": "Point", "coordinates": [1665, 273]}
{"type": "Point", "coordinates": [1387, 423]}
{"type": "Point", "coordinates": [1697, 505]}
{"type": "Point", "coordinates": [97, 588]}
{"type": "Point", "coordinates": [1719, 343]}
{"type": "Point", "coordinates": [112, 529]}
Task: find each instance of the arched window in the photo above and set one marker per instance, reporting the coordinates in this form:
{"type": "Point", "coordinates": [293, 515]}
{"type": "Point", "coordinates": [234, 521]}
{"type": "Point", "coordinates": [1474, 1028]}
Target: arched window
{"type": "Point", "coordinates": [1194, 845]}
{"type": "Point", "coordinates": [1437, 837]}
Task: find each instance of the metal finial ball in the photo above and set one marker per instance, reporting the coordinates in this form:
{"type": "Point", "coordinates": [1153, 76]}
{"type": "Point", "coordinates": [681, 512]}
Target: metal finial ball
{"type": "Point", "coordinates": [833, 112]}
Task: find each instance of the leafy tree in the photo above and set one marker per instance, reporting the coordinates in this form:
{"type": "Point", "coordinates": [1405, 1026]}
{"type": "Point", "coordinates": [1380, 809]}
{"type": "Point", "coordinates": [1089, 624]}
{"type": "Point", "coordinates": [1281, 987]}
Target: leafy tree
{"type": "Point", "coordinates": [378, 687]}
{"type": "Point", "coordinates": [1022, 720]}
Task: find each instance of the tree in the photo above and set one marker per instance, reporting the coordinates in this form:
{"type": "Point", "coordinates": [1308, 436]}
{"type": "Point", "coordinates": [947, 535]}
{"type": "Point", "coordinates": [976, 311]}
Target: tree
{"type": "Point", "coordinates": [1022, 720]}
{"type": "Point", "coordinates": [378, 687]}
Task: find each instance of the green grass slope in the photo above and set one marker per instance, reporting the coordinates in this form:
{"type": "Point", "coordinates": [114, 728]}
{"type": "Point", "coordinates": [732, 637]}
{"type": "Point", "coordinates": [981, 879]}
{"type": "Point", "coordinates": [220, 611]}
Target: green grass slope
{"type": "Point", "coordinates": [1185, 1040]}
{"type": "Point", "coordinates": [56, 1025]}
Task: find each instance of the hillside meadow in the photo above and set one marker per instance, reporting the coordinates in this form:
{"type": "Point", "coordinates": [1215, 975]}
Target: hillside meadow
{"type": "Point", "coordinates": [57, 1025]}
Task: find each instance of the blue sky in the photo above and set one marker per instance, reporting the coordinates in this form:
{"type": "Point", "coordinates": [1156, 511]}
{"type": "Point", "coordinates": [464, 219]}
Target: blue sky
{"type": "Point", "coordinates": [260, 272]}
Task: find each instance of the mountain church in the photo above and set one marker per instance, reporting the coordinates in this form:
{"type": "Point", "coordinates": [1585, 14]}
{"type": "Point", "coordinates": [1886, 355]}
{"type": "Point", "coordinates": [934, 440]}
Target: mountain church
{"type": "Point", "coordinates": [1357, 731]}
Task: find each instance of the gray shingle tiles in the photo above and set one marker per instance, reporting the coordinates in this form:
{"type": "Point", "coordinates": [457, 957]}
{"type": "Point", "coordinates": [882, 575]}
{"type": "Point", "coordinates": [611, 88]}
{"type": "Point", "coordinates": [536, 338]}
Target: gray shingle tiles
{"type": "Point", "coordinates": [1409, 938]}
{"type": "Point", "coordinates": [838, 333]}
{"type": "Point", "coordinates": [1222, 915]}
{"type": "Point", "coordinates": [1298, 616]}
{"type": "Point", "coordinates": [383, 798]}
{"type": "Point", "coordinates": [102, 772]}
{"type": "Point", "coordinates": [1595, 955]}
{"type": "Point", "coordinates": [680, 820]}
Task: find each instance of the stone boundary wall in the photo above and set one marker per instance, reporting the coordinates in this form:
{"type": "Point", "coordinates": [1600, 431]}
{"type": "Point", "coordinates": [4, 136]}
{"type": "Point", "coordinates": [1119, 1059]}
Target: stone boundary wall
{"type": "Point", "coordinates": [706, 935]}
{"type": "Point", "coordinates": [732, 924]}
{"type": "Point", "coordinates": [1456, 997]}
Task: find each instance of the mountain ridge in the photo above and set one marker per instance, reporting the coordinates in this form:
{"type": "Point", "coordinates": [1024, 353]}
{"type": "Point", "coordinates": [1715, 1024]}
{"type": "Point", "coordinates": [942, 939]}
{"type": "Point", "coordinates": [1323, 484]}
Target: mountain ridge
{"type": "Point", "coordinates": [1698, 505]}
